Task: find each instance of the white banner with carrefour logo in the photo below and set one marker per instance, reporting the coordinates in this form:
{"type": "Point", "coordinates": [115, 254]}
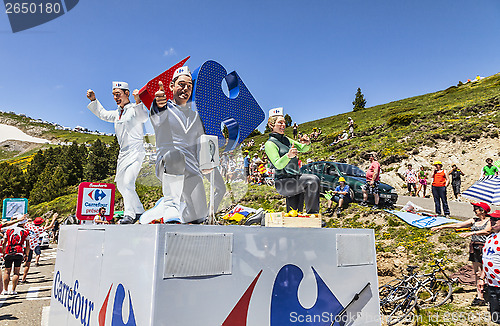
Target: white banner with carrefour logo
{"type": "Point", "coordinates": [92, 196]}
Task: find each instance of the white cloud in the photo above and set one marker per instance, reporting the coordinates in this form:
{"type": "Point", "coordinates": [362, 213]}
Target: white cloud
{"type": "Point", "coordinates": [168, 52]}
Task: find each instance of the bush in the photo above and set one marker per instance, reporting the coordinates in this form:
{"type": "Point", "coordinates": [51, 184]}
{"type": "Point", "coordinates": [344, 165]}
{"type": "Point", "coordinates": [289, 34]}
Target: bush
{"type": "Point", "coordinates": [403, 119]}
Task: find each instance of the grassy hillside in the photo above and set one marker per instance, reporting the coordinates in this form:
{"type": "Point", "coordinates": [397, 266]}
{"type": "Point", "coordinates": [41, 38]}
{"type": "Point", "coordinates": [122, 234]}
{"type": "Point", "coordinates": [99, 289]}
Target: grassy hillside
{"type": "Point", "coordinates": [398, 128]}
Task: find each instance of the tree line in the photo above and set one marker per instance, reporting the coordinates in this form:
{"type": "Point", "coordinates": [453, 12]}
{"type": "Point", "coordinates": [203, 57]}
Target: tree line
{"type": "Point", "coordinates": [53, 171]}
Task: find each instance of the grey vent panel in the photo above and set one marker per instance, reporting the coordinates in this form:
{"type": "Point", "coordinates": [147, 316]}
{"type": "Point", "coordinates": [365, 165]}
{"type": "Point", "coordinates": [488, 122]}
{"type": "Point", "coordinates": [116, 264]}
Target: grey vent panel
{"type": "Point", "coordinates": [354, 249]}
{"type": "Point", "coordinates": [195, 254]}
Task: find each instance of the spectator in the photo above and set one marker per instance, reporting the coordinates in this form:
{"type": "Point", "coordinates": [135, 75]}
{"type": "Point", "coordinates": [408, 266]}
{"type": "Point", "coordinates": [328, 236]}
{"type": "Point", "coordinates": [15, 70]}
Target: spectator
{"type": "Point", "coordinates": [35, 229]}
{"type": "Point", "coordinates": [17, 218]}
{"type": "Point", "coordinates": [456, 180]}
{"type": "Point", "coordinates": [295, 130]}
{"type": "Point", "coordinates": [439, 183]}
{"type": "Point", "coordinates": [340, 195]}
{"type": "Point", "coordinates": [491, 264]}
{"type": "Point", "coordinates": [489, 168]}
{"type": "Point", "coordinates": [422, 181]}
{"type": "Point", "coordinates": [411, 180]}
{"type": "Point", "coordinates": [14, 245]}
{"type": "Point", "coordinates": [480, 227]}
{"type": "Point", "coordinates": [246, 165]}
{"type": "Point", "coordinates": [350, 124]}
{"type": "Point", "coordinates": [100, 218]}
{"type": "Point", "coordinates": [372, 182]}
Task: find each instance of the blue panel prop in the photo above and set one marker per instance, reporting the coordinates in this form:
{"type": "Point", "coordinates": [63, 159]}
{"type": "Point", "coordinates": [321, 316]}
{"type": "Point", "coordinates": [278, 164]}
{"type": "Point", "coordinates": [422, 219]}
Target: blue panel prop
{"type": "Point", "coordinates": [422, 221]}
{"type": "Point", "coordinates": [285, 301]}
{"type": "Point", "coordinates": [239, 112]}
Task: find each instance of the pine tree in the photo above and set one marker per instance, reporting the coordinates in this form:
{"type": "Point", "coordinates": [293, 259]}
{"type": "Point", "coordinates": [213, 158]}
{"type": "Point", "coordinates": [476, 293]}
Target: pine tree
{"type": "Point", "coordinates": [359, 101]}
{"type": "Point", "coordinates": [112, 155]}
{"type": "Point", "coordinates": [12, 182]}
{"type": "Point", "coordinates": [288, 120]}
{"type": "Point", "coordinates": [97, 167]}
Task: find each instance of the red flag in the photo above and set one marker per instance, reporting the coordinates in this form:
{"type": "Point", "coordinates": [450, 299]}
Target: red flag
{"type": "Point", "coordinates": [147, 92]}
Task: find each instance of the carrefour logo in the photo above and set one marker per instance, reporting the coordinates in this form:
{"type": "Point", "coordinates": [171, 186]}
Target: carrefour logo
{"type": "Point", "coordinates": [117, 319]}
{"type": "Point", "coordinates": [285, 306]}
{"type": "Point", "coordinates": [25, 14]}
{"type": "Point", "coordinates": [97, 194]}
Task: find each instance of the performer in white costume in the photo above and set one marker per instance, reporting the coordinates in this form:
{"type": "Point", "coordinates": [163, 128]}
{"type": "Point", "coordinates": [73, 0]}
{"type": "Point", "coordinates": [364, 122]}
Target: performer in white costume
{"type": "Point", "coordinates": [177, 130]}
{"type": "Point", "coordinates": [129, 121]}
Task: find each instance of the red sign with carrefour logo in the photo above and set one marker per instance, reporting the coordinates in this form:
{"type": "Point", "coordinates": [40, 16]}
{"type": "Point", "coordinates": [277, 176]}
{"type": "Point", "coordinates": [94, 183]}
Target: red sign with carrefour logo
{"type": "Point", "coordinates": [92, 196]}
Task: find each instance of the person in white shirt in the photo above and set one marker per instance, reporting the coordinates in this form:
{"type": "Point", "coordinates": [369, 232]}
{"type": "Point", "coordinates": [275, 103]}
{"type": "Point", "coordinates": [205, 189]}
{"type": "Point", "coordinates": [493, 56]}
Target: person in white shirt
{"type": "Point", "coordinates": [129, 120]}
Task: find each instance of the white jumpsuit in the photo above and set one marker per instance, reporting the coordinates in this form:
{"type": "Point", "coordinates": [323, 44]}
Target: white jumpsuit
{"type": "Point", "coordinates": [130, 134]}
{"type": "Point", "coordinates": [177, 133]}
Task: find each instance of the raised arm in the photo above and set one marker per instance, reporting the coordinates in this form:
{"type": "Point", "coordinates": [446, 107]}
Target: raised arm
{"type": "Point", "coordinates": [51, 225]}
{"type": "Point", "coordinates": [96, 108]}
{"type": "Point", "coordinates": [460, 225]}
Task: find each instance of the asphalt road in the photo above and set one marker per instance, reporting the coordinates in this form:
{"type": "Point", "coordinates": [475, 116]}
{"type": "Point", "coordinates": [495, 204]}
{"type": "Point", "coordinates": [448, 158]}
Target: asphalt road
{"type": "Point", "coordinates": [460, 210]}
{"type": "Point", "coordinates": [30, 307]}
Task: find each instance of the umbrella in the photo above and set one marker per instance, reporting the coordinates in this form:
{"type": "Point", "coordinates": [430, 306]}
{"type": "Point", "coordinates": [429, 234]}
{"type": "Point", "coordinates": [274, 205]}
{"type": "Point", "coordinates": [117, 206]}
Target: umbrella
{"type": "Point", "coordinates": [486, 189]}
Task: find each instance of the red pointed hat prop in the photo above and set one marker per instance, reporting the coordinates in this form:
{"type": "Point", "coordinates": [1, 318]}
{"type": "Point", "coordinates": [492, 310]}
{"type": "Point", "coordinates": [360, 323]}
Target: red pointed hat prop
{"type": "Point", "coordinates": [147, 92]}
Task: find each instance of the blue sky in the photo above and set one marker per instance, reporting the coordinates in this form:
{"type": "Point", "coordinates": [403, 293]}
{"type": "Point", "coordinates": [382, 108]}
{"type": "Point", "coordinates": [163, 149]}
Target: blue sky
{"type": "Point", "coordinates": [307, 56]}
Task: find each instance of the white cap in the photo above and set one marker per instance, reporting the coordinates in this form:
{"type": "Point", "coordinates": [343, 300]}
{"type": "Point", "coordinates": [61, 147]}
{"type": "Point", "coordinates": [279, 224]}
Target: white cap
{"type": "Point", "coordinates": [275, 111]}
{"type": "Point", "coordinates": [309, 160]}
{"type": "Point", "coordinates": [181, 71]}
{"type": "Point", "coordinates": [120, 85]}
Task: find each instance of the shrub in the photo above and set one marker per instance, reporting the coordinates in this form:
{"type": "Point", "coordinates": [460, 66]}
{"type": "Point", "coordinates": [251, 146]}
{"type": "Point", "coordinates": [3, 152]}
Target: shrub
{"type": "Point", "coordinates": [402, 119]}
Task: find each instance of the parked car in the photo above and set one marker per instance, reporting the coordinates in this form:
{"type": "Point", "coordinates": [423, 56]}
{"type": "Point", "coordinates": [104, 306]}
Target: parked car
{"type": "Point", "coordinates": [330, 172]}
{"type": "Point", "coordinates": [44, 240]}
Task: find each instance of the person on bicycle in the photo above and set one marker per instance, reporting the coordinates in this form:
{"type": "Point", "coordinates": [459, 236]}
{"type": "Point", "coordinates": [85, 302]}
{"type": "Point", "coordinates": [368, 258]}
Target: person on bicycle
{"type": "Point", "coordinates": [480, 228]}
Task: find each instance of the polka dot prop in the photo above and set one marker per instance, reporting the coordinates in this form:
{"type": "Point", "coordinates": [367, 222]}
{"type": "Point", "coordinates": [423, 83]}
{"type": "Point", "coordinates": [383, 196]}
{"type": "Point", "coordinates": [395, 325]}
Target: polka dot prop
{"type": "Point", "coordinates": [239, 111]}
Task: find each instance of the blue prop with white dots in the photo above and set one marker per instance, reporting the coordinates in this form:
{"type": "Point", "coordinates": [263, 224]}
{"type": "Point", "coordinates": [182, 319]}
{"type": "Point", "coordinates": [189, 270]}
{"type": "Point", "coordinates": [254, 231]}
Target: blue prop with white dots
{"type": "Point", "coordinates": [239, 112]}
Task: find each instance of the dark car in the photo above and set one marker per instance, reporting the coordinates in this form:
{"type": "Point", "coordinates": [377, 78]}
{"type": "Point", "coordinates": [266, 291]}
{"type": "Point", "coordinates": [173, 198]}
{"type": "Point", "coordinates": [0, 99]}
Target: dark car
{"type": "Point", "coordinates": [330, 172]}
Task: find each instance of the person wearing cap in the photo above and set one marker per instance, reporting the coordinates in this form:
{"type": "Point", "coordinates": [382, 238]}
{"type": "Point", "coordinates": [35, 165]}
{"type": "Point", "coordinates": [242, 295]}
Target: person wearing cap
{"type": "Point", "coordinates": [282, 153]}
{"type": "Point", "coordinates": [16, 219]}
{"type": "Point", "coordinates": [341, 195]}
{"type": "Point", "coordinates": [35, 230]}
{"type": "Point", "coordinates": [178, 129]}
{"type": "Point", "coordinates": [440, 181]}
{"type": "Point", "coordinates": [372, 181]}
{"type": "Point", "coordinates": [491, 267]}
{"type": "Point", "coordinates": [489, 168]}
{"type": "Point", "coordinates": [480, 228]}
{"type": "Point", "coordinates": [15, 246]}
{"type": "Point", "coordinates": [350, 124]}
{"type": "Point", "coordinates": [129, 120]}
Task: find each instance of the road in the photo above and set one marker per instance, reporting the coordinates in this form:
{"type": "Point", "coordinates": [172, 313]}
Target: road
{"type": "Point", "coordinates": [462, 210]}
{"type": "Point", "coordinates": [30, 307]}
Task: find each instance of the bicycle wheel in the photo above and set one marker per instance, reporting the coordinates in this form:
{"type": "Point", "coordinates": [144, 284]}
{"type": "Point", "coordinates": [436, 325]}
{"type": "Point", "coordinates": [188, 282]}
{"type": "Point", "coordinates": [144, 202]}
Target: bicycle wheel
{"type": "Point", "coordinates": [434, 293]}
{"type": "Point", "coordinates": [401, 309]}
{"type": "Point", "coordinates": [393, 291]}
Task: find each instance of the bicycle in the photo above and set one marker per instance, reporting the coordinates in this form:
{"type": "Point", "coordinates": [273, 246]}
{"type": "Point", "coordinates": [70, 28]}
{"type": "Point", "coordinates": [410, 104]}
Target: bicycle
{"type": "Point", "coordinates": [399, 297]}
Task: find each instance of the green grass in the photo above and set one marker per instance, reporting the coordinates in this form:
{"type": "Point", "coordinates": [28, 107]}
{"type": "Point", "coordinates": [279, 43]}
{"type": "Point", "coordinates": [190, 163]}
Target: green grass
{"type": "Point", "coordinates": [395, 129]}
